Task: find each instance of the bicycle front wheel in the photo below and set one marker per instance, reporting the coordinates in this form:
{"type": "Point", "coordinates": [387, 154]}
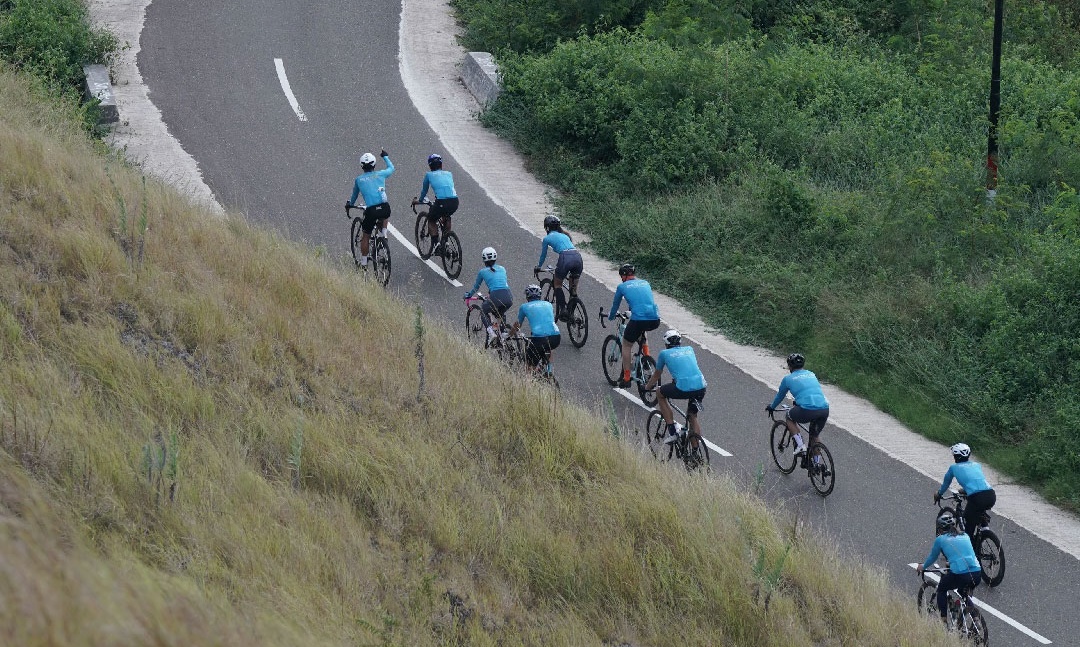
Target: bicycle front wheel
{"type": "Point", "coordinates": [783, 447]}
{"type": "Point", "coordinates": [354, 240]}
{"type": "Point", "coordinates": [422, 237]}
{"type": "Point", "coordinates": [474, 326]}
{"type": "Point", "coordinates": [696, 457]}
{"type": "Point", "coordinates": [381, 260]}
{"type": "Point", "coordinates": [648, 366]}
{"type": "Point", "coordinates": [611, 358]}
{"type": "Point", "coordinates": [822, 472]}
{"type": "Point", "coordinates": [451, 255]}
{"type": "Point", "coordinates": [927, 599]}
{"type": "Point", "coordinates": [991, 557]}
{"type": "Point", "coordinates": [655, 432]}
{"type": "Point", "coordinates": [577, 322]}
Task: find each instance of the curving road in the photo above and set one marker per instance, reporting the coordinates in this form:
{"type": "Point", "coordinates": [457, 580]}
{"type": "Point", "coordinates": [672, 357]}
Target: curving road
{"type": "Point", "coordinates": [210, 68]}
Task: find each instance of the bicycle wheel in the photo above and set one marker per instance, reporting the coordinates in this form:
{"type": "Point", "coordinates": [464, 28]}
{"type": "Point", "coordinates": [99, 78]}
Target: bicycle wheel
{"type": "Point", "coordinates": [381, 260]}
{"type": "Point", "coordinates": [451, 255]}
{"type": "Point", "coordinates": [973, 626]}
{"type": "Point", "coordinates": [577, 322]}
{"type": "Point", "coordinates": [991, 557]}
{"type": "Point", "coordinates": [648, 366]}
{"type": "Point", "coordinates": [474, 326]}
{"type": "Point", "coordinates": [783, 447]}
{"type": "Point", "coordinates": [354, 240]}
{"type": "Point", "coordinates": [927, 599]}
{"type": "Point", "coordinates": [655, 432]}
{"type": "Point", "coordinates": [512, 352]}
{"type": "Point", "coordinates": [696, 457]}
{"type": "Point", "coordinates": [611, 358]}
{"type": "Point", "coordinates": [823, 474]}
{"type": "Point", "coordinates": [422, 237]}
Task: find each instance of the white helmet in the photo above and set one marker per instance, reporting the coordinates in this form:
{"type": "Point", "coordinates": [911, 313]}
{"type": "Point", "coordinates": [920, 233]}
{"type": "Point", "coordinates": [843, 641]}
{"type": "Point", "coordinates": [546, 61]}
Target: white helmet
{"type": "Point", "coordinates": [961, 450]}
{"type": "Point", "coordinates": [367, 159]}
{"type": "Point", "coordinates": [532, 291]}
{"type": "Point", "coordinates": [488, 254]}
{"type": "Point", "coordinates": [672, 337]}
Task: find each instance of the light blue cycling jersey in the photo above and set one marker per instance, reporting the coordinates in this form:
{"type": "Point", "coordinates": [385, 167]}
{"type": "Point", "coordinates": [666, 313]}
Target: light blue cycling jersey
{"type": "Point", "coordinates": [372, 185]}
{"type": "Point", "coordinates": [494, 276]}
{"type": "Point", "coordinates": [541, 316]}
{"type": "Point", "coordinates": [969, 475]}
{"type": "Point", "coordinates": [682, 364]}
{"type": "Point", "coordinates": [957, 549]}
{"type": "Point", "coordinates": [441, 183]}
{"type": "Point", "coordinates": [805, 389]}
{"type": "Point", "coordinates": [559, 243]}
{"type": "Point", "coordinates": [639, 298]}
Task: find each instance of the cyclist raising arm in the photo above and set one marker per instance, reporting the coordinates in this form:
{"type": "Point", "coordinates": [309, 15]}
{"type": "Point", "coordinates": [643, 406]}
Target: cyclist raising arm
{"type": "Point", "coordinates": [644, 315]}
{"type": "Point", "coordinates": [810, 403]}
{"type": "Point", "coordinates": [372, 185]}
{"type": "Point", "coordinates": [446, 201]}
{"type": "Point", "coordinates": [569, 264]}
{"type": "Point", "coordinates": [980, 496]}
{"type": "Point", "coordinates": [499, 296]}
{"type": "Point", "coordinates": [541, 317]}
{"type": "Point", "coordinates": [687, 382]}
{"type": "Point", "coordinates": [964, 571]}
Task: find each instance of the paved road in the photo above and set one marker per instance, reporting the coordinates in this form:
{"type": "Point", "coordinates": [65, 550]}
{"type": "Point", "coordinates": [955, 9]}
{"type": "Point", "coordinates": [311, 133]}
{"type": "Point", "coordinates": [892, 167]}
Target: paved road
{"type": "Point", "coordinates": [210, 67]}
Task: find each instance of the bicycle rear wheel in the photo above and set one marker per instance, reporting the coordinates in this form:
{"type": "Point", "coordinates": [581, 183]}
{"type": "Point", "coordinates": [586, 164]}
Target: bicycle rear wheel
{"type": "Point", "coordinates": [451, 255]}
{"type": "Point", "coordinates": [577, 322]}
{"type": "Point", "coordinates": [381, 260]}
{"type": "Point", "coordinates": [991, 557]}
{"type": "Point", "coordinates": [354, 240]}
{"type": "Point", "coordinates": [474, 326]}
{"type": "Point", "coordinates": [782, 445]}
{"type": "Point", "coordinates": [823, 473]}
{"type": "Point", "coordinates": [974, 626]}
{"type": "Point", "coordinates": [648, 366]}
{"type": "Point", "coordinates": [422, 237]}
{"type": "Point", "coordinates": [611, 358]}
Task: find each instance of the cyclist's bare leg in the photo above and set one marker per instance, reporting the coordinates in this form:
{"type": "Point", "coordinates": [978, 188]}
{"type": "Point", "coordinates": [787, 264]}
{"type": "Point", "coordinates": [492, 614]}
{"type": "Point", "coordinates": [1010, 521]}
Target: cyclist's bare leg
{"type": "Point", "coordinates": [365, 241]}
{"type": "Point", "coordinates": [572, 284]}
{"type": "Point", "coordinates": [695, 426]}
{"type": "Point", "coordinates": [626, 359]}
{"type": "Point", "coordinates": [665, 408]}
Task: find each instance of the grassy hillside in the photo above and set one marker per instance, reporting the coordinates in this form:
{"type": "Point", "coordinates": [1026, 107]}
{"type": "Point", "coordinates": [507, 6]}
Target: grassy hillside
{"type": "Point", "coordinates": [210, 436]}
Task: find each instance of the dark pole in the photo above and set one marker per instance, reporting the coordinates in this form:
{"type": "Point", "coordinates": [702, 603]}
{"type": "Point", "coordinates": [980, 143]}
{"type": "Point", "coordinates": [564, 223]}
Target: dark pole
{"type": "Point", "coordinates": [995, 100]}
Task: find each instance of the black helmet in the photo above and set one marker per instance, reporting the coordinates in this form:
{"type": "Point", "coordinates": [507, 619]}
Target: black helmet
{"type": "Point", "coordinates": [946, 522]}
{"type": "Point", "coordinates": [551, 222]}
{"type": "Point", "coordinates": [627, 269]}
{"type": "Point", "coordinates": [796, 361]}
{"type": "Point", "coordinates": [434, 161]}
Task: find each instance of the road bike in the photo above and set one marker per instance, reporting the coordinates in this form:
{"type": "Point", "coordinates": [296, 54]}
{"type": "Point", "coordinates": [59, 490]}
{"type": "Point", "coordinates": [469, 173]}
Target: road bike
{"type": "Point", "coordinates": [477, 332]}
{"type": "Point", "coordinates": [377, 245]}
{"type": "Point", "coordinates": [987, 546]}
{"type": "Point", "coordinates": [962, 616]}
{"type": "Point", "coordinates": [642, 365]}
{"type": "Point", "coordinates": [449, 243]}
{"type": "Point", "coordinates": [692, 454]}
{"type": "Point", "coordinates": [819, 462]}
{"type": "Point", "coordinates": [543, 372]}
{"type": "Point", "coordinates": [573, 313]}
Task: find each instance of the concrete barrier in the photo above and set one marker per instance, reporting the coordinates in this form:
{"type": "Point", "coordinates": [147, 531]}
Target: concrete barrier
{"type": "Point", "coordinates": [481, 77]}
{"type": "Point", "coordinates": [98, 87]}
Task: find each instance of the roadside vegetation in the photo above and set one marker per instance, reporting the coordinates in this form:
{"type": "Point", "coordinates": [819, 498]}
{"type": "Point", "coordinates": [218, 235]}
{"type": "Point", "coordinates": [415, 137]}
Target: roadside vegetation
{"type": "Point", "coordinates": [811, 177]}
{"type": "Point", "coordinates": [212, 436]}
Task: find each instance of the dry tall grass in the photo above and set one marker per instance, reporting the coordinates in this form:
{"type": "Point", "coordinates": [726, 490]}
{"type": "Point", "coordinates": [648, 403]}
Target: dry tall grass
{"type": "Point", "coordinates": [211, 436]}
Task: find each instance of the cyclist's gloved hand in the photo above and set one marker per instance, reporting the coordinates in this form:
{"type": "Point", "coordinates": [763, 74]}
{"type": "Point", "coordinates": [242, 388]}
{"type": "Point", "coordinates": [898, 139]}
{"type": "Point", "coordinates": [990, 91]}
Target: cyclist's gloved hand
{"type": "Point", "coordinates": [537, 269]}
{"type": "Point", "coordinates": [769, 409]}
{"type": "Point", "coordinates": [467, 295]}
{"type": "Point", "coordinates": [383, 153]}
{"type": "Point", "coordinates": [937, 498]}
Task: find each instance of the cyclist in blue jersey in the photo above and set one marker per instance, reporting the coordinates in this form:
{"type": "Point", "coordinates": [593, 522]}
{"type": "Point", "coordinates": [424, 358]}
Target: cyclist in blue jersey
{"type": "Point", "coordinates": [980, 496]}
{"type": "Point", "coordinates": [687, 382]}
{"type": "Point", "coordinates": [441, 183]}
{"type": "Point", "coordinates": [569, 264]}
{"type": "Point", "coordinates": [544, 333]}
{"type": "Point", "coordinates": [964, 571]}
{"type": "Point", "coordinates": [811, 406]}
{"type": "Point", "coordinates": [499, 296]}
{"type": "Point", "coordinates": [372, 185]}
{"type": "Point", "coordinates": [644, 315]}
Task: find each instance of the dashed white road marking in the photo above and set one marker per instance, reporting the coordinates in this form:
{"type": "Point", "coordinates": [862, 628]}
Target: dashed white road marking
{"type": "Point", "coordinates": [994, 612]}
{"type": "Point", "coordinates": [280, 65]}
{"type": "Point", "coordinates": [430, 263]}
{"type": "Point", "coordinates": [636, 400]}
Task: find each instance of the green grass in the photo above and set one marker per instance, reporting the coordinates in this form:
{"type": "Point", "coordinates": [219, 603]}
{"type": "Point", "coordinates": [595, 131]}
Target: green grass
{"type": "Point", "coordinates": [218, 441]}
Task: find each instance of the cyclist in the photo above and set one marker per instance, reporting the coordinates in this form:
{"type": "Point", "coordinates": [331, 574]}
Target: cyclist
{"type": "Point", "coordinates": [499, 296]}
{"type": "Point", "coordinates": [687, 382]}
{"type": "Point", "coordinates": [964, 571]}
{"type": "Point", "coordinates": [372, 185]}
{"type": "Point", "coordinates": [545, 336]}
{"type": "Point", "coordinates": [644, 315]}
{"type": "Point", "coordinates": [810, 403]}
{"type": "Point", "coordinates": [569, 265]}
{"type": "Point", "coordinates": [980, 496]}
{"type": "Point", "coordinates": [446, 201]}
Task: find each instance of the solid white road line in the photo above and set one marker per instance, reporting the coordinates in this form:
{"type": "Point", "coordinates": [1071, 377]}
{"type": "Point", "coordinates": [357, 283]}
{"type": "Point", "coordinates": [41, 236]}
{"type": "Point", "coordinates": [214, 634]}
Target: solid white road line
{"type": "Point", "coordinates": [430, 263]}
{"type": "Point", "coordinates": [280, 65]}
{"type": "Point", "coordinates": [994, 612]}
{"type": "Point", "coordinates": [636, 400]}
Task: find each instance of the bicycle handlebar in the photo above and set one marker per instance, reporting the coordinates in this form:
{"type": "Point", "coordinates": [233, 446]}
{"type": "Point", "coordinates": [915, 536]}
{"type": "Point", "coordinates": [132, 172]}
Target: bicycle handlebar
{"type": "Point", "coordinates": [603, 316]}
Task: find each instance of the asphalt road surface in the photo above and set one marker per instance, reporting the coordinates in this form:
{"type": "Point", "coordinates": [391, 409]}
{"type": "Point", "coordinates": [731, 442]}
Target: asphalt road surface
{"type": "Point", "coordinates": [210, 67]}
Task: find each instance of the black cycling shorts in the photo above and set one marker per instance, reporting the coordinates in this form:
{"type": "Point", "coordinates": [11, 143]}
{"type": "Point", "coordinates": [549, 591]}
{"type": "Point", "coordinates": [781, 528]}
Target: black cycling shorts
{"type": "Point", "coordinates": [445, 207]}
{"type": "Point", "coordinates": [816, 418]}
{"type": "Point", "coordinates": [672, 392]}
{"type": "Point", "coordinates": [373, 214]}
{"type": "Point", "coordinates": [569, 265]}
{"type": "Point", "coordinates": [535, 347]}
{"type": "Point", "coordinates": [635, 328]}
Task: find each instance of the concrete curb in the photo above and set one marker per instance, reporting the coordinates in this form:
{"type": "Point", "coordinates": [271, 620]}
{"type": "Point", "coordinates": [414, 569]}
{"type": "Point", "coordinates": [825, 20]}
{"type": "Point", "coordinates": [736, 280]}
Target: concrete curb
{"type": "Point", "coordinates": [480, 75]}
{"type": "Point", "coordinates": [99, 87]}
